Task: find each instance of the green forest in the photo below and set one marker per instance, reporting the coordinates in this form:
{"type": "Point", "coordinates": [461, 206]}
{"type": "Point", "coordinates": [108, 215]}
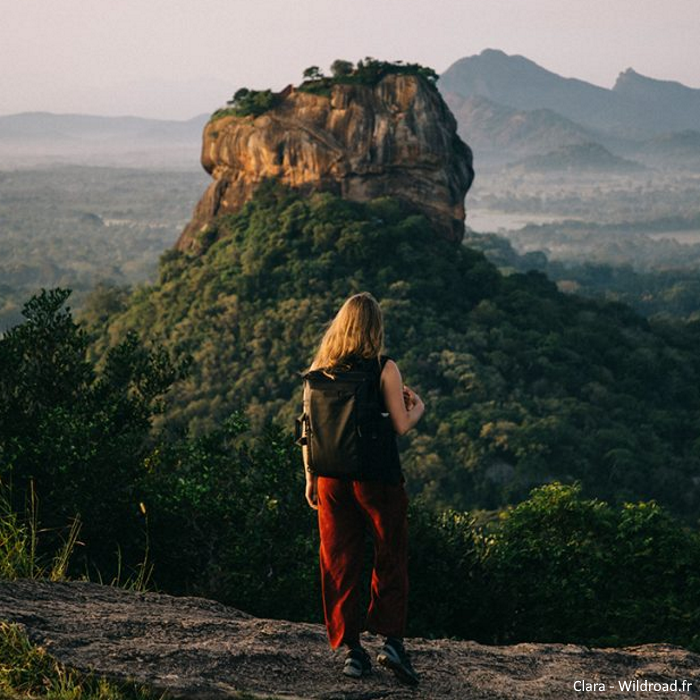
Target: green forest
{"type": "Point", "coordinates": [652, 291]}
{"type": "Point", "coordinates": [630, 238]}
{"type": "Point", "coordinates": [524, 384]}
{"type": "Point", "coordinates": [558, 454]}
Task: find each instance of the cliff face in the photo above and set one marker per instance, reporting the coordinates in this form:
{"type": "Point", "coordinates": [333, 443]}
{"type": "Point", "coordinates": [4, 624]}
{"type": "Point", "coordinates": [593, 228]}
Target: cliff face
{"type": "Point", "coordinates": [396, 139]}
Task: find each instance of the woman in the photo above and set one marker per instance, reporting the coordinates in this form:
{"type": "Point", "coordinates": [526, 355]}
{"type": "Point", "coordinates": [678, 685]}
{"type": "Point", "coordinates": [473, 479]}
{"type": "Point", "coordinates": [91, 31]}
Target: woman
{"type": "Point", "coordinates": [346, 506]}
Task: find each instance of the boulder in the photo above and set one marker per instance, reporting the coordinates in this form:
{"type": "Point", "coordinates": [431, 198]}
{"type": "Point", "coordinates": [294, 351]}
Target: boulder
{"type": "Point", "coordinates": [397, 138]}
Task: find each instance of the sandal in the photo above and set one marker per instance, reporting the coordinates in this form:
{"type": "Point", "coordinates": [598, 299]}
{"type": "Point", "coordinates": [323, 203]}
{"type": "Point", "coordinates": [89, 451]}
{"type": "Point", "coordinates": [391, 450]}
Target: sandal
{"type": "Point", "coordinates": [357, 663]}
{"type": "Point", "coordinates": [393, 656]}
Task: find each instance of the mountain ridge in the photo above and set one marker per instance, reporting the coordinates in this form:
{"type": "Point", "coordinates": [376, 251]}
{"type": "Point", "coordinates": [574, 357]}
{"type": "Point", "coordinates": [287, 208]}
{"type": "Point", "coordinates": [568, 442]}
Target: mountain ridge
{"type": "Point", "coordinates": [578, 158]}
{"type": "Point", "coordinates": [40, 139]}
{"type": "Point", "coordinates": [530, 110]}
{"type": "Point", "coordinates": [520, 83]}
{"type": "Point", "coordinates": [501, 133]}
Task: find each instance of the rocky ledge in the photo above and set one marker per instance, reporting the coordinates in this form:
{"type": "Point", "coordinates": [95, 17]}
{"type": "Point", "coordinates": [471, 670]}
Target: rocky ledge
{"type": "Point", "coordinates": [195, 648]}
{"type": "Point", "coordinates": [397, 138]}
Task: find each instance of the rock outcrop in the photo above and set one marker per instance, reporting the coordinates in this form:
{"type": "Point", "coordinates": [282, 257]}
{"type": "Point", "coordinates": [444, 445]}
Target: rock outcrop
{"type": "Point", "coordinates": [397, 138]}
{"type": "Point", "coordinates": [198, 649]}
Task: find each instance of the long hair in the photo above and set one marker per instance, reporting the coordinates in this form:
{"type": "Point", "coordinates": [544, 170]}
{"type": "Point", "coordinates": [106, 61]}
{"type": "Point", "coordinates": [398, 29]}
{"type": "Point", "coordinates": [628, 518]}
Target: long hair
{"type": "Point", "coordinates": [357, 331]}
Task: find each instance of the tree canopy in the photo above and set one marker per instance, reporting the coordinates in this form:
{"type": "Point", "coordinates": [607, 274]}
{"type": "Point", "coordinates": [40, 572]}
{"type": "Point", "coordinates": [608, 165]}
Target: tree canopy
{"type": "Point", "coordinates": [523, 383]}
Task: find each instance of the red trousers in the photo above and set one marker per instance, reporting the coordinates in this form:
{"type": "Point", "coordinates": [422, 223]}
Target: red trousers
{"type": "Point", "coordinates": [346, 509]}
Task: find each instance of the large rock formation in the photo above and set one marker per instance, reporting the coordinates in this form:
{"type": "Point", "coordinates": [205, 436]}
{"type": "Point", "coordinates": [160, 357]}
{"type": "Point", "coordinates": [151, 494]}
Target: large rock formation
{"type": "Point", "coordinates": [397, 138]}
{"type": "Point", "coordinates": [198, 649]}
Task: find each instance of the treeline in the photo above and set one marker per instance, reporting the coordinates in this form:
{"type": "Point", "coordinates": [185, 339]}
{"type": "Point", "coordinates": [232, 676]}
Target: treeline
{"type": "Point", "coordinates": [223, 515]}
{"type": "Point", "coordinates": [668, 197]}
{"type": "Point", "coordinates": [669, 293]}
{"type": "Point", "coordinates": [367, 71]}
{"type": "Point", "coordinates": [569, 242]}
{"type": "Point", "coordinates": [524, 384]}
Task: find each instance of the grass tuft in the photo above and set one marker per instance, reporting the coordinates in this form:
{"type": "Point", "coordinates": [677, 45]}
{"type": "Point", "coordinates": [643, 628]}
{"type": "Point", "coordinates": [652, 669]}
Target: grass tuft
{"type": "Point", "coordinates": [28, 672]}
{"type": "Point", "coordinates": [19, 543]}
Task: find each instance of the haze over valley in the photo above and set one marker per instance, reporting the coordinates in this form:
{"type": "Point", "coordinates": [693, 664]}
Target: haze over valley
{"type": "Point", "coordinates": [568, 174]}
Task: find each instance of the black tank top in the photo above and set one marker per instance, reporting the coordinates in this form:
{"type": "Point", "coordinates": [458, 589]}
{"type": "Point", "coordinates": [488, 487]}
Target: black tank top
{"type": "Point", "coordinates": [392, 474]}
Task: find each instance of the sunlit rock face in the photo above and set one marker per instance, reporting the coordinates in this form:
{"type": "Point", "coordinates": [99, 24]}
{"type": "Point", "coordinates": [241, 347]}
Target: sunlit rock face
{"type": "Point", "coordinates": [395, 139]}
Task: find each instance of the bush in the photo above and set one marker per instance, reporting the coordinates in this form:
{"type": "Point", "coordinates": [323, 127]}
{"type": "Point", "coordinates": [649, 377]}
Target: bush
{"type": "Point", "coordinates": [567, 569]}
{"type": "Point", "coordinates": [446, 591]}
{"type": "Point", "coordinates": [248, 103]}
{"type": "Point", "coordinates": [228, 520]}
{"type": "Point", "coordinates": [76, 435]}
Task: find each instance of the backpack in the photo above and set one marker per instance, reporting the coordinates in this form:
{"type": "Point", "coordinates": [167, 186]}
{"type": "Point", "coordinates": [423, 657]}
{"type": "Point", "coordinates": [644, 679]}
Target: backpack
{"type": "Point", "coordinates": [343, 425]}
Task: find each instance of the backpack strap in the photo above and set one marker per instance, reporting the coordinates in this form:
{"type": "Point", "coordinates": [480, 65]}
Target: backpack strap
{"type": "Point", "coordinates": [301, 421]}
{"type": "Point", "coordinates": [300, 437]}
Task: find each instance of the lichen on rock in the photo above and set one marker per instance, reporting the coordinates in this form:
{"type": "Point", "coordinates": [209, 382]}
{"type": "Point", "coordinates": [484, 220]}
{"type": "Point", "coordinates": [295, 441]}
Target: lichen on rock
{"type": "Point", "coordinates": [397, 138]}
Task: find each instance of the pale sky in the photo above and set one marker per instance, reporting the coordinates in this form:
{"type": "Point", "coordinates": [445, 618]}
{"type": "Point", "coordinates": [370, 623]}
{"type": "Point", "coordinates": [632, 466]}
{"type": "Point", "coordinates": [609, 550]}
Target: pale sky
{"type": "Point", "coordinates": [179, 58]}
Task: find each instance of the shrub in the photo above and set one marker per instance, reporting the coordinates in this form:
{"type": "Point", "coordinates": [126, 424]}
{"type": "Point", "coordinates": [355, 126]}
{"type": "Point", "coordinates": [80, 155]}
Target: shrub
{"type": "Point", "coordinates": [77, 435]}
{"type": "Point", "coordinates": [567, 569]}
{"type": "Point", "coordinates": [228, 520]}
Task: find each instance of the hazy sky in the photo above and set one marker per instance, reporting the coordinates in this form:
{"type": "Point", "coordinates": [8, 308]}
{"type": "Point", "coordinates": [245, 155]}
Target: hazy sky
{"type": "Point", "coordinates": [179, 58]}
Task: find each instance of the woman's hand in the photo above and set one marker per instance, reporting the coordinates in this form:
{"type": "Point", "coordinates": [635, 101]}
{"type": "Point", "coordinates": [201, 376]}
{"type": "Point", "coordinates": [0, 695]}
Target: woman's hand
{"type": "Point", "coordinates": [410, 398]}
{"type": "Point", "coordinates": [403, 404]}
{"type": "Point", "coordinates": [312, 490]}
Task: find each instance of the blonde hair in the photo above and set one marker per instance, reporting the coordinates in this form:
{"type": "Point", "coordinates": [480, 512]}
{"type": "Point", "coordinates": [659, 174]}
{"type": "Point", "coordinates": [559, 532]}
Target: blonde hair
{"type": "Point", "coordinates": [356, 331]}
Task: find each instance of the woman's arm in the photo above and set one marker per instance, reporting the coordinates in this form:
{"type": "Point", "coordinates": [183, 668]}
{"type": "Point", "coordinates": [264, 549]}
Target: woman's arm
{"type": "Point", "coordinates": [311, 491]}
{"type": "Point", "coordinates": [404, 405]}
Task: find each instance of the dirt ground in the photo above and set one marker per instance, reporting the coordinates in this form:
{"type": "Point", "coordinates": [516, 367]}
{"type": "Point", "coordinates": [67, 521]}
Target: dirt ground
{"type": "Point", "coordinates": [198, 649]}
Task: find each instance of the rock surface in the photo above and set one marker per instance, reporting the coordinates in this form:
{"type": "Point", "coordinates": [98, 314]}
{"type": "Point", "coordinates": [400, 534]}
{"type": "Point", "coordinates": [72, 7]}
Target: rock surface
{"type": "Point", "coordinates": [396, 139]}
{"type": "Point", "coordinates": [196, 648]}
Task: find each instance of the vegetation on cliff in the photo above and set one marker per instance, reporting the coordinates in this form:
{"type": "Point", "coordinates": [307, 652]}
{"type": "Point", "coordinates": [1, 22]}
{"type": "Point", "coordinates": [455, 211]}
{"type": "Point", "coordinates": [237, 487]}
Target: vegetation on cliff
{"type": "Point", "coordinates": [368, 72]}
{"type": "Point", "coordinates": [247, 102]}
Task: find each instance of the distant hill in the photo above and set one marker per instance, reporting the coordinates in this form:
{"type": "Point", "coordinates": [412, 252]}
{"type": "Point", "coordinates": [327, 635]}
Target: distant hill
{"type": "Point", "coordinates": [673, 106]}
{"type": "Point", "coordinates": [636, 107]}
{"type": "Point", "coordinates": [41, 138]}
{"type": "Point", "coordinates": [677, 150]}
{"type": "Point", "coordinates": [578, 158]}
{"type": "Point", "coordinates": [79, 126]}
{"type": "Point", "coordinates": [502, 133]}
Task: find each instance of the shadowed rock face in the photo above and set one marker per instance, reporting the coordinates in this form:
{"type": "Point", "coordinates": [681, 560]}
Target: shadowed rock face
{"type": "Point", "coordinates": [396, 139]}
